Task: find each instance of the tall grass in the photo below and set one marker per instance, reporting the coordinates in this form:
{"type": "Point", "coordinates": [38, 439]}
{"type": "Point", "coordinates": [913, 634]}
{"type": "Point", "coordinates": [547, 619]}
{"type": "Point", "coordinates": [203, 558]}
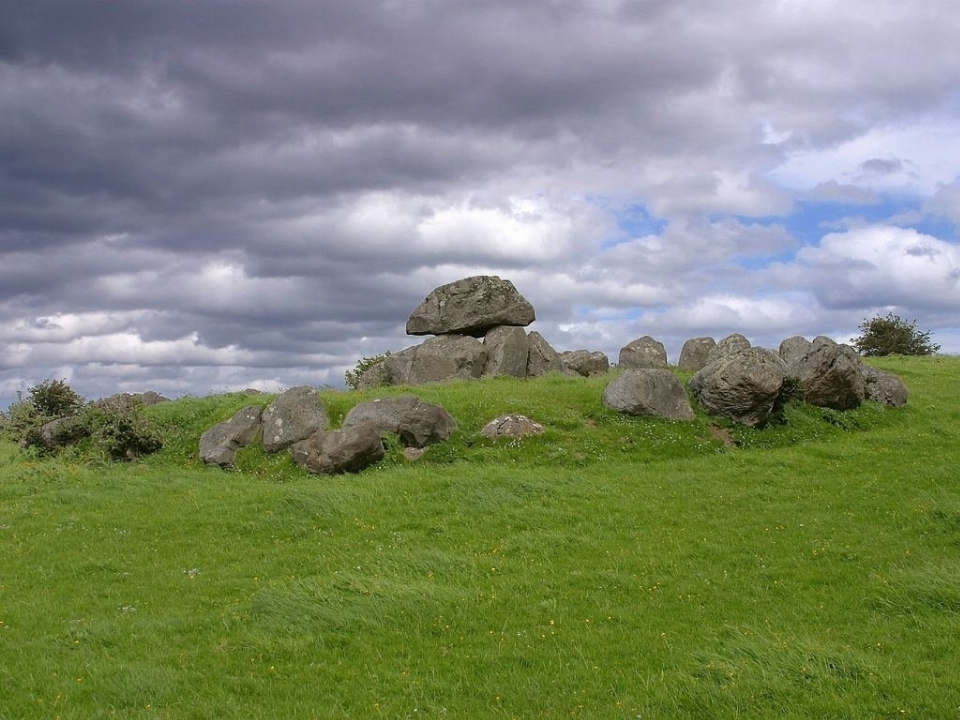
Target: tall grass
{"type": "Point", "coordinates": [613, 567]}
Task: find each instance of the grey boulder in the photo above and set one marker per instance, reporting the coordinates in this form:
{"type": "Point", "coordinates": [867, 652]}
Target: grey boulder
{"type": "Point", "coordinates": [743, 386]}
{"type": "Point", "coordinates": [542, 358]}
{"type": "Point", "coordinates": [730, 345]}
{"type": "Point", "coordinates": [884, 387]}
{"type": "Point", "coordinates": [219, 444]}
{"type": "Point", "coordinates": [130, 401]}
{"type": "Point", "coordinates": [794, 348]}
{"type": "Point", "coordinates": [642, 353]}
{"type": "Point", "coordinates": [373, 377]}
{"type": "Point", "coordinates": [512, 427]}
{"type": "Point", "coordinates": [62, 432]}
{"type": "Point", "coordinates": [416, 422]}
{"type": "Point", "coordinates": [648, 392]}
{"type": "Point", "coordinates": [339, 451]}
{"type": "Point", "coordinates": [470, 306]}
{"type": "Point", "coordinates": [296, 414]}
{"type": "Point", "coordinates": [445, 357]}
{"type": "Point", "coordinates": [695, 353]}
{"type": "Point", "coordinates": [585, 362]}
{"type": "Point", "coordinates": [507, 350]}
{"type": "Point", "coordinates": [830, 375]}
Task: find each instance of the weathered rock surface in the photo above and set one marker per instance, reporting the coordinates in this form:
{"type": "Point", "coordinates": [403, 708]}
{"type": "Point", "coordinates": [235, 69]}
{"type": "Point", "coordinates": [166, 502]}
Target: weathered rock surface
{"type": "Point", "coordinates": [507, 351]}
{"type": "Point", "coordinates": [219, 444]}
{"type": "Point", "coordinates": [645, 352]}
{"type": "Point", "coordinates": [444, 357]}
{"type": "Point", "coordinates": [830, 375]}
{"type": "Point", "coordinates": [129, 401]}
{"type": "Point", "coordinates": [416, 422]}
{"type": "Point", "coordinates": [542, 358]}
{"type": "Point", "coordinates": [396, 367]}
{"type": "Point", "coordinates": [295, 415]}
{"type": "Point", "coordinates": [743, 386]}
{"type": "Point", "coordinates": [695, 353]}
{"type": "Point", "coordinates": [884, 387]}
{"type": "Point", "coordinates": [62, 432]}
{"type": "Point", "coordinates": [470, 306]}
{"type": "Point", "coordinates": [585, 362]}
{"type": "Point", "coordinates": [794, 348]}
{"type": "Point", "coordinates": [649, 392]}
{"type": "Point", "coordinates": [512, 427]}
{"type": "Point", "coordinates": [331, 452]}
{"type": "Point", "coordinates": [729, 345]}
{"type": "Point", "coordinates": [373, 377]}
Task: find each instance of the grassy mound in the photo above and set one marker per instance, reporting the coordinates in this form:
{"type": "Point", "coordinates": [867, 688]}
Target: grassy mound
{"type": "Point", "coordinates": [613, 567]}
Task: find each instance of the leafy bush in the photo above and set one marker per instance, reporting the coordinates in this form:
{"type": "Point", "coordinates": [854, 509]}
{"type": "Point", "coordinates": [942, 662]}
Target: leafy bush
{"type": "Point", "coordinates": [48, 401]}
{"type": "Point", "coordinates": [121, 432]}
{"type": "Point", "coordinates": [53, 416]}
{"type": "Point", "coordinates": [19, 420]}
{"type": "Point", "coordinates": [353, 377]}
{"type": "Point", "coordinates": [55, 399]}
{"type": "Point", "coordinates": [892, 335]}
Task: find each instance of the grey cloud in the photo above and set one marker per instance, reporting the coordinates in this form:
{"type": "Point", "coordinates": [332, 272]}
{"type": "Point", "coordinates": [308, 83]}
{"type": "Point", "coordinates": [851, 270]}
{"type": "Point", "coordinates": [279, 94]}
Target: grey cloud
{"type": "Point", "coordinates": [924, 251]}
{"type": "Point", "coordinates": [945, 203]}
{"type": "Point", "coordinates": [882, 166]}
{"type": "Point", "coordinates": [216, 169]}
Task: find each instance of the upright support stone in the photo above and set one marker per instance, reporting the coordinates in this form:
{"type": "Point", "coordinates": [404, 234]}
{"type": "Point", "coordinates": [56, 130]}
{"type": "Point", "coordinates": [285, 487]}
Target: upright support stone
{"type": "Point", "coordinates": [507, 351]}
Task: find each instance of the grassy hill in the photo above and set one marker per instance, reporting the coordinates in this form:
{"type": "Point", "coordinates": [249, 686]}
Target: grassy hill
{"type": "Point", "coordinates": [611, 568]}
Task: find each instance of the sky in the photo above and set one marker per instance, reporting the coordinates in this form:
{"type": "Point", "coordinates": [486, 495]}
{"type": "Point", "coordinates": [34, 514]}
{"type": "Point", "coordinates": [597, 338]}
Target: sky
{"type": "Point", "coordinates": [206, 196]}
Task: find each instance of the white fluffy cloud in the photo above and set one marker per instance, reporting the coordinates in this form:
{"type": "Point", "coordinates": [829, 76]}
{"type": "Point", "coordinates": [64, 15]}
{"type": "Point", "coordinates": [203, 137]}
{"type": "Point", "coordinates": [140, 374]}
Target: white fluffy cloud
{"type": "Point", "coordinates": [884, 265]}
{"type": "Point", "coordinates": [904, 157]}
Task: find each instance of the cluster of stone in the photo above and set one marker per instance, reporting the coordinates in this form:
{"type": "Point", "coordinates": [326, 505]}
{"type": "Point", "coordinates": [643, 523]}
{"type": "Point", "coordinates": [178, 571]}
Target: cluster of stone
{"type": "Point", "coordinates": [297, 421]}
{"type": "Point", "coordinates": [477, 328]}
{"type": "Point", "coordinates": [747, 384]}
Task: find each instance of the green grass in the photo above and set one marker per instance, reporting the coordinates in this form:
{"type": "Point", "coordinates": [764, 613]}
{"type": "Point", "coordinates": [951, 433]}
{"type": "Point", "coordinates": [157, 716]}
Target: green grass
{"type": "Point", "coordinates": [612, 568]}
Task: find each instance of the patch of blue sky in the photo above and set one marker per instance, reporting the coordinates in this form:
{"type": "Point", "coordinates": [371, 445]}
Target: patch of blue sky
{"type": "Point", "coordinates": [813, 219]}
{"type": "Point", "coordinates": [754, 262]}
{"type": "Point", "coordinates": [939, 227]}
{"type": "Point", "coordinates": [634, 221]}
{"type": "Point", "coordinates": [608, 314]}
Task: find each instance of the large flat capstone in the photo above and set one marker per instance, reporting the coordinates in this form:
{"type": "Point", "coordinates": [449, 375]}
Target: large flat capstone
{"type": "Point", "coordinates": [471, 306]}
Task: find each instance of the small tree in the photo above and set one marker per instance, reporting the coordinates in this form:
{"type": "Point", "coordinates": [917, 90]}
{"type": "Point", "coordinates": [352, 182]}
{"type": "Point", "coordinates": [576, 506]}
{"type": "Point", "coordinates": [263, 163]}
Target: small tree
{"type": "Point", "coordinates": [55, 399]}
{"type": "Point", "coordinates": [892, 335]}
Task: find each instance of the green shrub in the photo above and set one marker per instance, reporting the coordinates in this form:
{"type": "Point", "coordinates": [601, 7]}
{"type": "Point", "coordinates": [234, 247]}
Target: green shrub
{"type": "Point", "coordinates": [892, 335]}
{"type": "Point", "coordinates": [117, 430]}
{"type": "Point", "coordinates": [55, 399]}
{"type": "Point", "coordinates": [50, 400]}
{"type": "Point", "coordinates": [122, 433]}
{"type": "Point", "coordinates": [20, 420]}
